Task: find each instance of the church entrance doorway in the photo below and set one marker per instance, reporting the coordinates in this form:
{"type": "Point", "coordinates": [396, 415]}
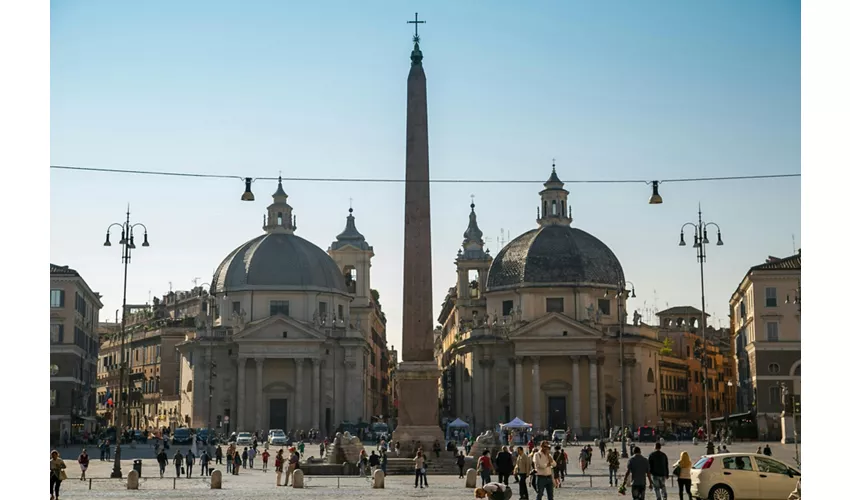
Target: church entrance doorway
{"type": "Point", "coordinates": [557, 412]}
{"type": "Point", "coordinates": [277, 414]}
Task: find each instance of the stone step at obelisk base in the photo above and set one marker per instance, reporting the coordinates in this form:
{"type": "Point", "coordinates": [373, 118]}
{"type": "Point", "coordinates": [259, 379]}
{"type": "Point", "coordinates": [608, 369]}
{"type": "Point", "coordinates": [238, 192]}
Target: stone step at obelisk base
{"type": "Point", "coordinates": [445, 465]}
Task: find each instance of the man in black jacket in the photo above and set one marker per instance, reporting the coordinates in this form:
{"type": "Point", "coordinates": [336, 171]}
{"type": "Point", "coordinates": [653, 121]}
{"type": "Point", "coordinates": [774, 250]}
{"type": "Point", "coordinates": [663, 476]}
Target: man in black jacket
{"type": "Point", "coordinates": [659, 469]}
{"type": "Point", "coordinates": [504, 465]}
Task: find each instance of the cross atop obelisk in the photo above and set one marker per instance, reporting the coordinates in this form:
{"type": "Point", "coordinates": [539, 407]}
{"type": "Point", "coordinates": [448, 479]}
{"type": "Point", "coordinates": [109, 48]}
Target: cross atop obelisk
{"type": "Point", "coordinates": [416, 22]}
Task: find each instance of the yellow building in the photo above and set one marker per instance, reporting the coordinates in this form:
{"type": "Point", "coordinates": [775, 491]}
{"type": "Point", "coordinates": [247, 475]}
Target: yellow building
{"type": "Point", "coordinates": [534, 332]}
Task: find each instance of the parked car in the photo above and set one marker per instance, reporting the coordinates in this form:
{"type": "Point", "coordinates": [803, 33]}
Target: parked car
{"type": "Point", "coordinates": [139, 436]}
{"type": "Point", "coordinates": [742, 476]}
{"type": "Point", "coordinates": [558, 435]}
{"type": "Point", "coordinates": [646, 434]}
{"type": "Point", "coordinates": [244, 439]}
{"type": "Point", "coordinates": [277, 437]}
{"type": "Point", "coordinates": [182, 435]}
{"type": "Point", "coordinates": [203, 434]}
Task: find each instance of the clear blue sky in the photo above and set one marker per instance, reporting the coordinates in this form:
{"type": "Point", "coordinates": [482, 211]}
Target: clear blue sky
{"type": "Point", "coordinates": [615, 89]}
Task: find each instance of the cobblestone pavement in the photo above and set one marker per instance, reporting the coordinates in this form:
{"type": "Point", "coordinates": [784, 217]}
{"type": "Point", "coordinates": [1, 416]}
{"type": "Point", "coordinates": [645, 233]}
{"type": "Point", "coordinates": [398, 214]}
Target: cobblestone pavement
{"type": "Point", "coordinates": [252, 483]}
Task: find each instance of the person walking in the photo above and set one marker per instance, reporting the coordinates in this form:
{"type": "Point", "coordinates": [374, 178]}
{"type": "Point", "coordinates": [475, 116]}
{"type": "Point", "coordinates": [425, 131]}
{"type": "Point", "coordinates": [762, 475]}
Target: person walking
{"type": "Point", "coordinates": [419, 466]}
{"type": "Point", "coordinates": [613, 460]}
{"type": "Point", "coordinates": [384, 459]}
{"type": "Point", "coordinates": [252, 452]}
{"type": "Point", "coordinates": [561, 461]}
{"type": "Point", "coordinates": [237, 462]}
{"type": "Point", "coordinates": [582, 459]}
{"type": "Point", "coordinates": [205, 463]}
{"type": "Point", "coordinates": [658, 467]}
{"type": "Point", "coordinates": [682, 471]}
{"type": "Point", "coordinates": [504, 465]}
{"type": "Point", "coordinates": [162, 460]}
{"type": "Point", "coordinates": [638, 469]}
{"type": "Point", "coordinates": [57, 474]}
{"type": "Point", "coordinates": [278, 465]}
{"type": "Point", "coordinates": [265, 460]}
{"type": "Point", "coordinates": [602, 449]}
{"type": "Point", "coordinates": [229, 461]}
{"type": "Point", "coordinates": [83, 460]}
{"type": "Point", "coordinates": [544, 464]}
{"type": "Point", "coordinates": [190, 462]}
{"type": "Point", "coordinates": [218, 456]}
{"type": "Point", "coordinates": [321, 450]}
{"type": "Point", "coordinates": [178, 462]}
{"type": "Point", "coordinates": [374, 462]}
{"type": "Point", "coordinates": [522, 470]}
{"type": "Point", "coordinates": [485, 467]}
{"type": "Point", "coordinates": [245, 456]}
{"type": "Point", "coordinates": [767, 451]}
{"type": "Point", "coordinates": [460, 461]}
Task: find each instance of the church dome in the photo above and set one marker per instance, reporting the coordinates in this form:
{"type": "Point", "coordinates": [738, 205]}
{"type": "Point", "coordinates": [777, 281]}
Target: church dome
{"type": "Point", "coordinates": [278, 260]}
{"type": "Point", "coordinates": [554, 255]}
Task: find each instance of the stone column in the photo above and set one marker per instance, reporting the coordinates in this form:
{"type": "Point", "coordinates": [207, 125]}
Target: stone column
{"type": "Point", "coordinates": [603, 423]}
{"type": "Point", "coordinates": [240, 410]}
{"type": "Point", "coordinates": [511, 388]}
{"type": "Point", "coordinates": [535, 392]}
{"type": "Point", "coordinates": [518, 404]}
{"type": "Point", "coordinates": [628, 401]}
{"type": "Point", "coordinates": [488, 401]}
{"type": "Point", "coordinates": [576, 382]}
{"type": "Point", "coordinates": [594, 399]}
{"type": "Point", "coordinates": [259, 406]}
{"type": "Point", "coordinates": [350, 392]}
{"type": "Point", "coordinates": [317, 399]}
{"type": "Point", "coordinates": [299, 393]}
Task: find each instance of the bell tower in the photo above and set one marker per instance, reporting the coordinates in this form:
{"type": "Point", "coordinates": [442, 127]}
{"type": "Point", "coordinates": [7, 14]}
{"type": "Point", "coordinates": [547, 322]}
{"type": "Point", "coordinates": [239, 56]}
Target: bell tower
{"type": "Point", "coordinates": [279, 218]}
{"type": "Point", "coordinates": [554, 209]}
{"type": "Point", "coordinates": [473, 263]}
{"type": "Point", "coordinates": [354, 255]}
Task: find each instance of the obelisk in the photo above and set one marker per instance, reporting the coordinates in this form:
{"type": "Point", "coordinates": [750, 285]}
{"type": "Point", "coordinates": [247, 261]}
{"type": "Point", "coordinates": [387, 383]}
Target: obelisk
{"type": "Point", "coordinates": [418, 373]}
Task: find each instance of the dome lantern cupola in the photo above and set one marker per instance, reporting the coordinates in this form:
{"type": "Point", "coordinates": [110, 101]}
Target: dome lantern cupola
{"type": "Point", "coordinates": [554, 209]}
{"type": "Point", "coordinates": [279, 219]}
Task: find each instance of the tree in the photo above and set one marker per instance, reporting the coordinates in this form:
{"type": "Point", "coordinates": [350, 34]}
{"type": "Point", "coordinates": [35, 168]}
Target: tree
{"type": "Point", "coordinates": [666, 347]}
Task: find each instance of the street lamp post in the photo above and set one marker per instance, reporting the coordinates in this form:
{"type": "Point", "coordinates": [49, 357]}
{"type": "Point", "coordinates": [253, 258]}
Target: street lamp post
{"type": "Point", "coordinates": [623, 292]}
{"type": "Point", "coordinates": [212, 366]}
{"type": "Point", "coordinates": [728, 402]}
{"type": "Point", "coordinates": [700, 241]}
{"type": "Point", "coordinates": [127, 243]}
{"type": "Point", "coordinates": [785, 397]}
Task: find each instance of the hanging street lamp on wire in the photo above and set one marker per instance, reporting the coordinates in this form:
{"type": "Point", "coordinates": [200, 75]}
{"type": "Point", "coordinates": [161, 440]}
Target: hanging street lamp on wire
{"type": "Point", "coordinates": [128, 244]}
{"type": "Point", "coordinates": [700, 242]}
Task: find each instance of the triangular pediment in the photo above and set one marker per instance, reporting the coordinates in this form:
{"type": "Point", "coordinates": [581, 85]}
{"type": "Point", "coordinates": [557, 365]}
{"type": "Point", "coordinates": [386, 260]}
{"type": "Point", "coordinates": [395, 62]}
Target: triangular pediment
{"type": "Point", "coordinates": [553, 325]}
{"type": "Point", "coordinates": [279, 327]}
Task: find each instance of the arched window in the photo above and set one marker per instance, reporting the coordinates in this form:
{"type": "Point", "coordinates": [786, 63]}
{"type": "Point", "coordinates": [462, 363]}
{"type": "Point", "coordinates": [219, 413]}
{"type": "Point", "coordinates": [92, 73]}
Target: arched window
{"type": "Point", "coordinates": [279, 219]}
{"type": "Point", "coordinates": [650, 377]}
{"type": "Point", "coordinates": [189, 386]}
{"type": "Point", "coordinates": [554, 207]}
{"type": "Point", "coordinates": [563, 207]}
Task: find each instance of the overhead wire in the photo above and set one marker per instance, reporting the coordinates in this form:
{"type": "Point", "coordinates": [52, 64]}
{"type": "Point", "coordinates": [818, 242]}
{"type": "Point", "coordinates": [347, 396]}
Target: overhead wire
{"type": "Point", "coordinates": [444, 181]}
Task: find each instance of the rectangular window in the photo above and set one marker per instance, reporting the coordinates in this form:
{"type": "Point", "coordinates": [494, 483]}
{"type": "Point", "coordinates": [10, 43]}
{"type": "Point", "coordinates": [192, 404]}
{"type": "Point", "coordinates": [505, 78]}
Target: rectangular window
{"type": "Point", "coordinates": [772, 331]}
{"type": "Point", "coordinates": [742, 310]}
{"type": "Point", "coordinates": [507, 307]}
{"type": "Point", "coordinates": [604, 307]}
{"type": "Point", "coordinates": [555, 304]}
{"type": "Point", "coordinates": [237, 308]}
{"type": "Point", "coordinates": [323, 309]}
{"type": "Point", "coordinates": [770, 296]}
{"type": "Point", "coordinates": [773, 395]}
{"type": "Point", "coordinates": [339, 311]}
{"type": "Point", "coordinates": [57, 333]}
{"type": "Point", "coordinates": [57, 298]}
{"type": "Point", "coordinates": [279, 307]}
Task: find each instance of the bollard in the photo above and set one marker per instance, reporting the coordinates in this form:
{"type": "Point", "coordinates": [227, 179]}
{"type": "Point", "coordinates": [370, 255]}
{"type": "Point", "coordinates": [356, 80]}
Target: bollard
{"type": "Point", "coordinates": [175, 484]}
{"type": "Point", "coordinates": [215, 480]}
{"type": "Point", "coordinates": [89, 483]}
{"type": "Point", "coordinates": [591, 481]}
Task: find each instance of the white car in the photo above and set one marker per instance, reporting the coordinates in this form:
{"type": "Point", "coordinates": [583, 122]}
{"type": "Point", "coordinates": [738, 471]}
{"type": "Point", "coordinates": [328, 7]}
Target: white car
{"type": "Point", "coordinates": [277, 437]}
{"type": "Point", "coordinates": [244, 439]}
{"type": "Point", "coordinates": [742, 476]}
{"type": "Point", "coordinates": [558, 435]}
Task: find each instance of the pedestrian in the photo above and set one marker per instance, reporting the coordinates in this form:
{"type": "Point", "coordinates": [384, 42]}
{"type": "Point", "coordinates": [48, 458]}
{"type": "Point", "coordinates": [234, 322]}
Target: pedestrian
{"type": "Point", "coordinates": [245, 457]}
{"type": "Point", "coordinates": [293, 463]}
{"type": "Point", "coordinates": [265, 460]}
{"type": "Point", "coordinates": [162, 460]}
{"type": "Point", "coordinates": [205, 463]}
{"type": "Point", "coordinates": [544, 464]}
{"type": "Point", "coordinates": [522, 469]}
{"type": "Point", "coordinates": [108, 450]}
{"type": "Point", "coordinates": [602, 449]}
{"type": "Point", "coordinates": [504, 465]}
{"type": "Point", "coordinates": [218, 456]}
{"type": "Point", "coordinates": [252, 452]}
{"type": "Point", "coordinates": [582, 459]}
{"type": "Point", "coordinates": [278, 465]}
{"type": "Point", "coordinates": [229, 461]}
{"type": "Point", "coordinates": [178, 462]}
{"type": "Point", "coordinates": [767, 451]}
{"type": "Point", "coordinates": [758, 451]}
{"type": "Point", "coordinates": [658, 468]}
{"type": "Point", "coordinates": [436, 448]}
{"type": "Point", "coordinates": [613, 460]}
{"type": "Point", "coordinates": [561, 461]}
{"type": "Point", "coordinates": [384, 462]}
{"type": "Point", "coordinates": [485, 467]}
{"type": "Point", "coordinates": [83, 460]}
{"type": "Point", "coordinates": [374, 462]}
{"type": "Point", "coordinates": [419, 466]}
{"type": "Point", "coordinates": [461, 460]}
{"type": "Point", "coordinates": [682, 471]}
{"type": "Point", "coordinates": [57, 474]}
{"type": "Point", "coordinates": [190, 462]}
{"type": "Point", "coordinates": [638, 469]}
{"type": "Point", "coordinates": [321, 450]}
{"type": "Point", "coordinates": [237, 462]}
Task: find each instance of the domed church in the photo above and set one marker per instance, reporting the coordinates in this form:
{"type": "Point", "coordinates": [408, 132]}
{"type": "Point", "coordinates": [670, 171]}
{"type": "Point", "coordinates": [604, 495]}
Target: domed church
{"type": "Point", "coordinates": [534, 333]}
{"type": "Point", "coordinates": [287, 333]}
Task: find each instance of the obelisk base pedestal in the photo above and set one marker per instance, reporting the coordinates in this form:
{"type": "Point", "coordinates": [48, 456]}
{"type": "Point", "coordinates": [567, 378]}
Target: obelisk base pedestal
{"type": "Point", "coordinates": [418, 402]}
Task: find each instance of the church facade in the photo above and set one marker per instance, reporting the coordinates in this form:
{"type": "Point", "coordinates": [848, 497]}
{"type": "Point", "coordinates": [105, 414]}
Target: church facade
{"type": "Point", "coordinates": [287, 340]}
{"type": "Point", "coordinates": [535, 332]}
